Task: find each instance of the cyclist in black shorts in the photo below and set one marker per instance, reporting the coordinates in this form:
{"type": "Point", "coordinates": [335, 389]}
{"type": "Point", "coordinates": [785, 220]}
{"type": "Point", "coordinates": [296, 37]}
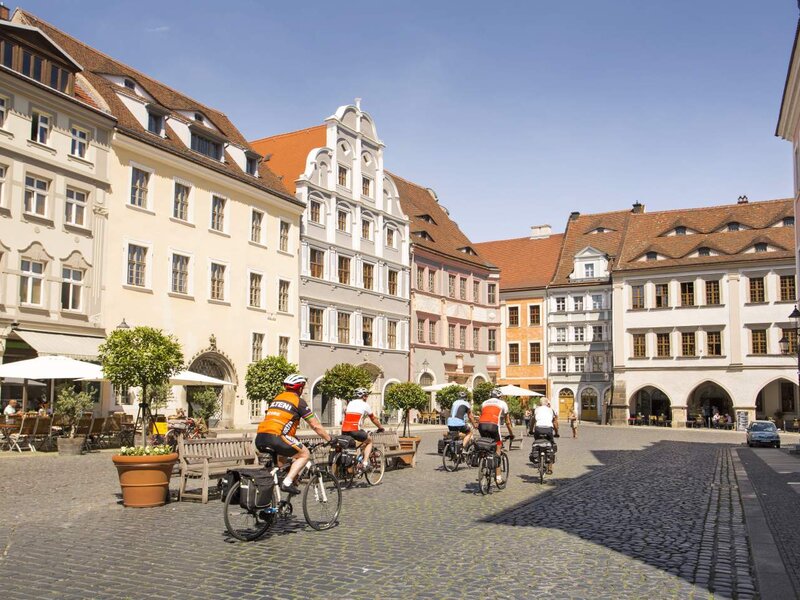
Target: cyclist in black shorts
{"type": "Point", "coordinates": [461, 417]}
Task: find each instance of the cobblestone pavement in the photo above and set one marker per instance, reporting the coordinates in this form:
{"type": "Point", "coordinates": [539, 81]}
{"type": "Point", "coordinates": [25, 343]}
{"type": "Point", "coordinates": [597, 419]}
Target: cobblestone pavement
{"type": "Point", "coordinates": [629, 513]}
{"type": "Point", "coordinates": [780, 503]}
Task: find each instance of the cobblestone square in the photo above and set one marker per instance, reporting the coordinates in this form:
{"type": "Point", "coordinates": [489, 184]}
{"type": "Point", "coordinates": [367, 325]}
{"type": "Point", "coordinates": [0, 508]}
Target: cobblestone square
{"type": "Point", "coordinates": [629, 513]}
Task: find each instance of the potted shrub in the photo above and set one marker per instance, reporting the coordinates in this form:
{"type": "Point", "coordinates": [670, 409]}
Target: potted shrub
{"type": "Point", "coordinates": [146, 358]}
{"type": "Point", "coordinates": [405, 397]}
{"type": "Point", "coordinates": [71, 405]}
{"type": "Point", "coordinates": [206, 406]}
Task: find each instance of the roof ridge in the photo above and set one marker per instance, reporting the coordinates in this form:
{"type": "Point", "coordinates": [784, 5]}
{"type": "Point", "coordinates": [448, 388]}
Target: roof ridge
{"type": "Point", "coordinates": [288, 133]}
{"type": "Point", "coordinates": [715, 206]}
{"type": "Point", "coordinates": [30, 15]}
{"type": "Point", "coordinates": [528, 238]}
{"type": "Point", "coordinates": [408, 181]}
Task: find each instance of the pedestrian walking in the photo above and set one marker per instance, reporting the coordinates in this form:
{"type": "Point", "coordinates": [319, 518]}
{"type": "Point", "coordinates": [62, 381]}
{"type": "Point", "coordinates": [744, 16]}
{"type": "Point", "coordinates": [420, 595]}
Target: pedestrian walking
{"type": "Point", "coordinates": [573, 422]}
{"type": "Point", "coordinates": [527, 418]}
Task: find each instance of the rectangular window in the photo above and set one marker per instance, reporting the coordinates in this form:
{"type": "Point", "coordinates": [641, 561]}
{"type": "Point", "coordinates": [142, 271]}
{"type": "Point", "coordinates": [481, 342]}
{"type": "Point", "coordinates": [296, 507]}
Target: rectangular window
{"type": "Point", "coordinates": [366, 187]}
{"type": "Point", "coordinates": [155, 123]}
{"type": "Point", "coordinates": [390, 237]}
{"type": "Point", "coordinates": [391, 335]}
{"type": "Point", "coordinates": [431, 281]}
{"type": "Point", "coordinates": [580, 364]}
{"type": "Point", "coordinates": [218, 213]}
{"type": "Point", "coordinates": [180, 202]}
{"type": "Point", "coordinates": [597, 333]}
{"type": "Point", "coordinates": [513, 354]}
{"type": "Point", "coordinates": [368, 273]}
{"type": "Point", "coordinates": [255, 290]}
{"type": "Point", "coordinates": [75, 208]}
{"type": "Point", "coordinates": [759, 341]}
{"type": "Point", "coordinates": [561, 334]}
{"type": "Point", "coordinates": [462, 337]}
{"type": "Point", "coordinates": [712, 293]}
{"type": "Point", "coordinates": [476, 338]}
{"type": "Point", "coordinates": [462, 288]}
{"type": "Point", "coordinates": [315, 324]}
{"type": "Point", "coordinates": [342, 220]}
{"type": "Point", "coordinates": [491, 293]}
{"type": "Point", "coordinates": [492, 340]}
{"type": "Point", "coordinates": [343, 327]}
{"type": "Point", "coordinates": [597, 363]}
{"type": "Point", "coordinates": [597, 301]}
{"type": "Point", "coordinates": [791, 338]}
{"type": "Point", "coordinates": [535, 353]}
{"type": "Point", "coordinates": [180, 274]}
{"type": "Point", "coordinates": [36, 196]}
{"type": "Point", "coordinates": [344, 269]}
{"type": "Point", "coordinates": [256, 226]}
{"type": "Point", "coordinates": [639, 345]}
{"type": "Point", "coordinates": [366, 229]}
{"type": "Point", "coordinates": [40, 127]}
{"type": "Point", "coordinates": [316, 263]}
{"type": "Point", "coordinates": [283, 237]}
{"type": "Point", "coordinates": [578, 334]}
{"type": "Point", "coordinates": [59, 78]}
{"type": "Point", "coordinates": [314, 211]}
{"type": "Point", "coordinates": [663, 349]}
{"type": "Point", "coordinates": [257, 347]}
{"type": "Point", "coordinates": [513, 316]}
{"type": "Point", "coordinates": [432, 332]}
{"type": "Point", "coordinates": [451, 286]}
{"type": "Point", "coordinates": [787, 396]}
{"type": "Point", "coordinates": [788, 288]}
{"type": "Point", "coordinates": [137, 265]}
{"type": "Point", "coordinates": [8, 54]}
{"type": "Point", "coordinates": [561, 364]}
{"type": "Point", "coordinates": [577, 303]}
{"type": "Point", "coordinates": [451, 336]}
{"type": "Point", "coordinates": [366, 330]}
{"type": "Point", "coordinates": [476, 292]}
{"type": "Point", "coordinates": [662, 295]}
{"type": "Point", "coordinates": [688, 347]}
{"type": "Point", "coordinates": [392, 282]}
{"type": "Point", "coordinates": [139, 181]}
{"type": "Point", "coordinates": [588, 270]}
{"type": "Point", "coordinates": [4, 105]}
{"type": "Point", "coordinates": [534, 314]}
{"type": "Point", "coordinates": [283, 296]}
{"type": "Point", "coordinates": [637, 296]}
{"type": "Point", "coordinates": [420, 277]}
{"type": "Point", "coordinates": [217, 281]}
{"type": "Point", "coordinates": [561, 304]}
{"type": "Point", "coordinates": [206, 146]}
{"type": "Point", "coordinates": [283, 347]}
{"type": "Point", "coordinates": [71, 289]}
{"type": "Point", "coordinates": [421, 331]}
{"type": "Point", "coordinates": [757, 289]}
{"type": "Point", "coordinates": [251, 166]}
{"type": "Point", "coordinates": [713, 343]}
{"type": "Point", "coordinates": [79, 142]}
{"type": "Point", "coordinates": [687, 293]}
{"type": "Point", "coordinates": [343, 176]}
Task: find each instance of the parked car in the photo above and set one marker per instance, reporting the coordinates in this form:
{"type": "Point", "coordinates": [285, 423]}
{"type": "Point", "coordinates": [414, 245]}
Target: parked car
{"type": "Point", "coordinates": [763, 433]}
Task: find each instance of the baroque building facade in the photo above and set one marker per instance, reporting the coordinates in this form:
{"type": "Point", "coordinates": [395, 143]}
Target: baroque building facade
{"type": "Point", "coordinates": [354, 261]}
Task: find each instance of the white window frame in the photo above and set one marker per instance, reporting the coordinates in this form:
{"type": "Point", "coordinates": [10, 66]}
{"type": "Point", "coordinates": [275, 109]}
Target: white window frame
{"type": "Point", "coordinates": [559, 337]}
{"type": "Point", "coordinates": [289, 306]}
{"type": "Point", "coordinates": [519, 356]}
{"type": "Point", "coordinates": [321, 204]}
{"type": "Point", "coordinates": [371, 231]}
{"type": "Point", "coordinates": [530, 362]}
{"type": "Point", "coordinates": [588, 270]}
{"type": "Point", "coordinates": [147, 196]}
{"type": "Point", "coordinates": [562, 360]}
{"type": "Point", "coordinates": [263, 342]}
{"type": "Point", "coordinates": [74, 203]}
{"type": "Point", "coordinates": [324, 263]}
{"type": "Point", "coordinates": [575, 330]}
{"type": "Point", "coordinates": [225, 210]}
{"type": "Point", "coordinates": [261, 291]}
{"type": "Point", "coordinates": [344, 209]}
{"type": "Point", "coordinates": [148, 265]}
{"type": "Point", "coordinates": [41, 131]}
{"type": "Point", "coordinates": [288, 249]}
{"type": "Point", "coordinates": [226, 284]}
{"type": "Point", "coordinates": [3, 173]}
{"type": "Point", "coordinates": [31, 276]}
{"type": "Point", "coordinates": [373, 331]}
{"type": "Point", "coordinates": [5, 107]}
{"type": "Point", "coordinates": [75, 132]}
{"type": "Point", "coordinates": [395, 234]}
{"type": "Point", "coordinates": [36, 192]}
{"type": "Point", "coordinates": [262, 227]}
{"type": "Point", "coordinates": [73, 283]}
{"type": "Point", "coordinates": [189, 272]}
{"type": "Point", "coordinates": [347, 176]}
{"type": "Point", "coordinates": [582, 360]}
{"type": "Point", "coordinates": [508, 315]}
{"type": "Point", "coordinates": [595, 306]}
{"type": "Point", "coordinates": [375, 277]}
{"type": "Point", "coordinates": [370, 186]}
{"type": "Point", "coordinates": [189, 201]}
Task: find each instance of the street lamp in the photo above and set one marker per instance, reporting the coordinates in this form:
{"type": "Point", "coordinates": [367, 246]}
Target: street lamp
{"type": "Point", "coordinates": [124, 325]}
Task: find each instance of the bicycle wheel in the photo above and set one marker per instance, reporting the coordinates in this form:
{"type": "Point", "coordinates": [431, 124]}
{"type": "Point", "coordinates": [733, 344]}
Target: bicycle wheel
{"type": "Point", "coordinates": [376, 467]}
{"type": "Point", "coordinates": [345, 475]}
{"type": "Point", "coordinates": [449, 458]}
{"type": "Point", "coordinates": [240, 522]}
{"type": "Point", "coordinates": [485, 476]}
{"type": "Point", "coordinates": [322, 500]}
{"type": "Point", "coordinates": [503, 470]}
{"type": "Point", "coordinates": [542, 467]}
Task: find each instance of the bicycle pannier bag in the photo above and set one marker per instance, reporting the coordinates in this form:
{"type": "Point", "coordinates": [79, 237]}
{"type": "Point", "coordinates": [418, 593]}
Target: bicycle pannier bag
{"type": "Point", "coordinates": [345, 442]}
{"type": "Point", "coordinates": [255, 491]}
{"type": "Point", "coordinates": [226, 483]}
{"type": "Point", "coordinates": [486, 444]}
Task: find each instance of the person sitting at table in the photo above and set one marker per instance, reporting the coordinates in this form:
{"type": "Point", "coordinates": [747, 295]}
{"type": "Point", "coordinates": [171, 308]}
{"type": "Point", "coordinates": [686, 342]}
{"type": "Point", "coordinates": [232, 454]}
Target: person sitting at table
{"type": "Point", "coordinates": [11, 409]}
{"type": "Point", "coordinates": [715, 419]}
{"type": "Point", "coordinates": [42, 409]}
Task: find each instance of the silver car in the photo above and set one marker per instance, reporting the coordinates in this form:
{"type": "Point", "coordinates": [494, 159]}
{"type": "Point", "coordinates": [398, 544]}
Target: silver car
{"type": "Point", "coordinates": [763, 433]}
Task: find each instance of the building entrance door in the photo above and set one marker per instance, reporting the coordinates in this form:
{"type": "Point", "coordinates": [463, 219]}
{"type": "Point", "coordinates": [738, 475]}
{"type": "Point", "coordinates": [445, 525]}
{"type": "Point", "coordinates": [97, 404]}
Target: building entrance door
{"type": "Point", "coordinates": [566, 402]}
{"type": "Point", "coordinates": [589, 405]}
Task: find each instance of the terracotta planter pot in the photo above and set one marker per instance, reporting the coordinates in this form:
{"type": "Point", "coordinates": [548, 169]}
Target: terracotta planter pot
{"type": "Point", "coordinates": [145, 479]}
{"type": "Point", "coordinates": [407, 443]}
{"type": "Point", "coordinates": [70, 446]}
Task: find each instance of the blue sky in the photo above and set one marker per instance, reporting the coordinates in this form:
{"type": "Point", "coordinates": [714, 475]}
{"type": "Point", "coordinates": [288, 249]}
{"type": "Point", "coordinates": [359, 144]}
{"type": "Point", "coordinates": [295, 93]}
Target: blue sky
{"type": "Point", "coordinates": [516, 113]}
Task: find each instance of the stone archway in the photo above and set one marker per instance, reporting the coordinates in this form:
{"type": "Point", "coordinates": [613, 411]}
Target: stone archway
{"type": "Point", "coordinates": [706, 398]}
{"type": "Point", "coordinates": [777, 400]}
{"type": "Point", "coordinates": [650, 401]}
{"type": "Point", "coordinates": [214, 363]}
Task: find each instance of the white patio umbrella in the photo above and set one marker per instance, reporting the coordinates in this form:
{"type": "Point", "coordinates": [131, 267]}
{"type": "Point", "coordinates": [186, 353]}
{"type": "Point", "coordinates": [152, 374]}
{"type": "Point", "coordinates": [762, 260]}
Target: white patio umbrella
{"type": "Point", "coordinates": [192, 378]}
{"type": "Point", "coordinates": [436, 387]}
{"type": "Point", "coordinates": [513, 390]}
{"type": "Point", "coordinates": [50, 367]}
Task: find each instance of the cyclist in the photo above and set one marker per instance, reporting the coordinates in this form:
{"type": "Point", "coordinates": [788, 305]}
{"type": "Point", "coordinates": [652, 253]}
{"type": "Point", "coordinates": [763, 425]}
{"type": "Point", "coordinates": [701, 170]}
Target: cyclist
{"type": "Point", "coordinates": [493, 412]}
{"type": "Point", "coordinates": [459, 413]}
{"type": "Point", "coordinates": [276, 431]}
{"type": "Point", "coordinates": [544, 424]}
{"type": "Point", "coordinates": [354, 415]}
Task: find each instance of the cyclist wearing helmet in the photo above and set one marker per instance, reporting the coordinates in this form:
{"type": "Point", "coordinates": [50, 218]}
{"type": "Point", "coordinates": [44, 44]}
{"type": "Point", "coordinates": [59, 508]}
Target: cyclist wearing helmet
{"type": "Point", "coordinates": [459, 413]}
{"type": "Point", "coordinates": [276, 431]}
{"type": "Point", "coordinates": [493, 412]}
{"type": "Point", "coordinates": [354, 415]}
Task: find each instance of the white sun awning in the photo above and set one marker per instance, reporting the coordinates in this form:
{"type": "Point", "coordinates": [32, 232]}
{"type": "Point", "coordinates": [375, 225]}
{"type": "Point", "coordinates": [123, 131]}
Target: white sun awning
{"type": "Point", "coordinates": [73, 346]}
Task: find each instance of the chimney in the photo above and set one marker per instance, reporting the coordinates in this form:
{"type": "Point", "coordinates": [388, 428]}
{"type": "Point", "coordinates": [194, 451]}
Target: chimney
{"type": "Point", "coordinates": [742, 200]}
{"type": "Point", "coordinates": [358, 103]}
{"type": "Point", "coordinates": [638, 207]}
{"type": "Point", "coordinates": [539, 232]}
{"type": "Point", "coordinates": [3, 12]}
{"type": "Point", "coordinates": [573, 216]}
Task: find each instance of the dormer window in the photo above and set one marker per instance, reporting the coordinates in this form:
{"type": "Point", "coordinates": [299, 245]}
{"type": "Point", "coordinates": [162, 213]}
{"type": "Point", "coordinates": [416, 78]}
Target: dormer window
{"type": "Point", "coordinates": [427, 219]}
{"type": "Point", "coordinates": [199, 117]}
{"type": "Point", "coordinates": [252, 166]}
{"type": "Point", "coordinates": [733, 226]}
{"type": "Point", "coordinates": [704, 251]}
{"type": "Point", "coordinates": [788, 221]}
{"type": "Point", "coordinates": [680, 230]}
{"type": "Point", "coordinates": [468, 250]}
{"type": "Point", "coordinates": [206, 146]}
{"type": "Point", "coordinates": [424, 235]}
{"type": "Point", "coordinates": [651, 256]}
{"type": "Point", "coordinates": [599, 230]}
{"type": "Point", "coordinates": [155, 123]}
{"type": "Point", "coordinates": [128, 83]}
{"type": "Point", "coordinates": [588, 270]}
{"type": "Point", "coordinates": [7, 53]}
{"type": "Point", "coordinates": [59, 78]}
{"type": "Point", "coordinates": [760, 247]}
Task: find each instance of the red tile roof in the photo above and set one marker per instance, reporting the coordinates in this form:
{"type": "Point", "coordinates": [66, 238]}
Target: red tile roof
{"type": "Point", "coordinates": [289, 152]}
{"type": "Point", "coordinates": [523, 262]}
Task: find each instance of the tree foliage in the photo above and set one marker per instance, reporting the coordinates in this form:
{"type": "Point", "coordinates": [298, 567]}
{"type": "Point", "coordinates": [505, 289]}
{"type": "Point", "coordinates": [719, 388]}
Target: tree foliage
{"type": "Point", "coordinates": [342, 380]}
{"type": "Point", "coordinates": [71, 405]}
{"type": "Point", "coordinates": [515, 408]}
{"type": "Point", "coordinates": [405, 397]}
{"type": "Point", "coordinates": [264, 378]}
{"type": "Point", "coordinates": [206, 403]}
{"type": "Point", "coordinates": [446, 397]}
{"type": "Point", "coordinates": [480, 393]}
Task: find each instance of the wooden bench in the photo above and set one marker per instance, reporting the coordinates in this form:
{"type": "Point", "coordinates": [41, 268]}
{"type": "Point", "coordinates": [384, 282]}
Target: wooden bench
{"type": "Point", "coordinates": [390, 443]}
{"type": "Point", "coordinates": [204, 458]}
{"type": "Point", "coordinates": [516, 443]}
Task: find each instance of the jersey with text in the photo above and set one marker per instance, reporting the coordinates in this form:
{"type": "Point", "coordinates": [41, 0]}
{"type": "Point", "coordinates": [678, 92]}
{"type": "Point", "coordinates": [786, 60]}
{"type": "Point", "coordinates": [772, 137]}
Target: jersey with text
{"type": "Point", "coordinates": [284, 413]}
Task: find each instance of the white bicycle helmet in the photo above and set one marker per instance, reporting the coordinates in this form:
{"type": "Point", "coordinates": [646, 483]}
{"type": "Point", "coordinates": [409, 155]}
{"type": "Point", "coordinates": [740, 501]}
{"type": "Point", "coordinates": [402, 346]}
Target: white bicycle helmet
{"type": "Point", "coordinates": [294, 383]}
{"type": "Point", "coordinates": [361, 393]}
{"type": "Point", "coordinates": [495, 393]}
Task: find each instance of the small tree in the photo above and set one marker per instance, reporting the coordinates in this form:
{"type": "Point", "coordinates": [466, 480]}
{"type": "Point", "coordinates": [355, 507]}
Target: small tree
{"type": "Point", "coordinates": [342, 380]}
{"type": "Point", "coordinates": [71, 405]}
{"type": "Point", "coordinates": [515, 408]}
{"type": "Point", "coordinates": [446, 397]}
{"type": "Point", "coordinates": [406, 396]}
{"type": "Point", "coordinates": [205, 403]}
{"type": "Point", "coordinates": [480, 394]}
{"type": "Point", "coordinates": [141, 357]}
{"type": "Point", "coordinates": [158, 396]}
{"type": "Point", "coordinates": [264, 378]}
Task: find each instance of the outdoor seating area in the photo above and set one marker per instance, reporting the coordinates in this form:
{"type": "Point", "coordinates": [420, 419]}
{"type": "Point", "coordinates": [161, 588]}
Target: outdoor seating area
{"type": "Point", "coordinates": [431, 418]}
{"type": "Point", "coordinates": [38, 433]}
{"type": "Point", "coordinates": [650, 421]}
